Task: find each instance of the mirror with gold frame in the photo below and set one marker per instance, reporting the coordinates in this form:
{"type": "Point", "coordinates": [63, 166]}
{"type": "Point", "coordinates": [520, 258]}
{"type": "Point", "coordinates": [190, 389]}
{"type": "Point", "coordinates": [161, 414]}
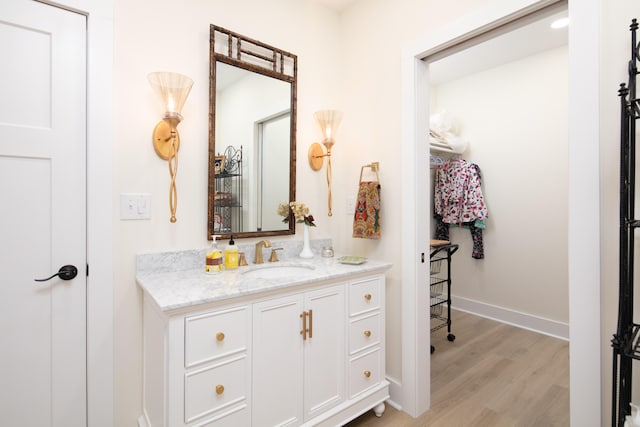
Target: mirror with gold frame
{"type": "Point", "coordinates": [252, 136]}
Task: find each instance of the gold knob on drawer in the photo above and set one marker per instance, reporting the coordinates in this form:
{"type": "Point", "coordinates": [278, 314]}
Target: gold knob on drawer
{"type": "Point", "coordinates": [367, 374]}
{"type": "Point", "coordinates": [367, 334]}
{"type": "Point", "coordinates": [220, 336]}
{"type": "Point", "coordinates": [367, 297]}
{"type": "Point", "coordinates": [219, 389]}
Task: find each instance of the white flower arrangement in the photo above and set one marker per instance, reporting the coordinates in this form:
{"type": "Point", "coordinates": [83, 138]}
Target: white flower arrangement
{"type": "Point", "coordinates": [299, 211]}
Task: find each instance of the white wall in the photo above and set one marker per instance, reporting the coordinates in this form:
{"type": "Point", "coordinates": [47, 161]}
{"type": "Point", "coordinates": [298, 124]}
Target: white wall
{"type": "Point", "coordinates": [174, 36]}
{"type": "Point", "coordinates": [374, 33]}
{"type": "Point", "coordinates": [350, 62]}
{"type": "Point", "coordinates": [515, 117]}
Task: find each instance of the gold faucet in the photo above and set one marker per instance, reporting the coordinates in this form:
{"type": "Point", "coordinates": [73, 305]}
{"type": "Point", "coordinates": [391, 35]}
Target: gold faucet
{"type": "Point", "coordinates": [261, 244]}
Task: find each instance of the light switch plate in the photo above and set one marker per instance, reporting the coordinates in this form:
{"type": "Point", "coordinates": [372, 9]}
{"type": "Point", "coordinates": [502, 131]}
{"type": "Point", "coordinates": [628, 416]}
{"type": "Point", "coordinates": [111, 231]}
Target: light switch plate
{"type": "Point", "coordinates": [135, 206]}
{"type": "Point", "coordinates": [350, 206]}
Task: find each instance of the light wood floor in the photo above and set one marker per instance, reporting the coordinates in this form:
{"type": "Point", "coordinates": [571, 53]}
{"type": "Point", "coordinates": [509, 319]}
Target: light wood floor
{"type": "Point", "coordinates": [492, 375]}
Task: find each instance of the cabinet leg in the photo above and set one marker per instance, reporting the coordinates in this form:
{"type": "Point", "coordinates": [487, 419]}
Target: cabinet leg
{"type": "Point", "coordinates": [379, 410]}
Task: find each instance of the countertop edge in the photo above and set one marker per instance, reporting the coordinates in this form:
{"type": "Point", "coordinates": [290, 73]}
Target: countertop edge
{"type": "Point", "coordinates": [198, 288]}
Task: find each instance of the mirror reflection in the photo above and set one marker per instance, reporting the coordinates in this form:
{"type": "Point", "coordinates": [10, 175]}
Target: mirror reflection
{"type": "Point", "coordinates": [252, 138]}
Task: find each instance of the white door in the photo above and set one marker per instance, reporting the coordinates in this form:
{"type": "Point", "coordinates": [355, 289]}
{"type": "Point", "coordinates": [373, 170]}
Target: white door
{"type": "Point", "coordinates": [274, 164]}
{"type": "Point", "coordinates": [42, 215]}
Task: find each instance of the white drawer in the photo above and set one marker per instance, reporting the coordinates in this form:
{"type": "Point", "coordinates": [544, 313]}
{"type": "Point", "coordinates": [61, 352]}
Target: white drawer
{"type": "Point", "coordinates": [217, 334]}
{"type": "Point", "coordinates": [364, 372]}
{"type": "Point", "coordinates": [364, 332]}
{"type": "Point", "coordinates": [235, 417]}
{"type": "Point", "coordinates": [364, 296]}
{"type": "Point", "coordinates": [215, 388]}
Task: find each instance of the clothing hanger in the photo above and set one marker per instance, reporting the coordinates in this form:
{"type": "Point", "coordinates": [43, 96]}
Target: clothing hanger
{"type": "Point", "coordinates": [435, 161]}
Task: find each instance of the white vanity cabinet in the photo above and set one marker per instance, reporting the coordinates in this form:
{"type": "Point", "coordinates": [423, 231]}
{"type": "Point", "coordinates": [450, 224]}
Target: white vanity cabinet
{"type": "Point", "coordinates": [310, 353]}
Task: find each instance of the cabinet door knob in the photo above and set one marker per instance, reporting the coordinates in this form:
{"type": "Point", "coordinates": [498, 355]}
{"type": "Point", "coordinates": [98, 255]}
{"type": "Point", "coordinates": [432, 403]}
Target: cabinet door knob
{"type": "Point", "coordinates": [367, 333]}
{"type": "Point", "coordinates": [220, 336]}
{"type": "Point", "coordinates": [367, 374]}
{"type": "Point", "coordinates": [367, 297]}
{"type": "Point", "coordinates": [219, 389]}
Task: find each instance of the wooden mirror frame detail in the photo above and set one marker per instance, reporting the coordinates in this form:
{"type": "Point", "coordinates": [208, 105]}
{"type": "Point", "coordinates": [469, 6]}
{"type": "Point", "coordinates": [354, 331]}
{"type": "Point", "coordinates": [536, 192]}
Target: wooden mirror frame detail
{"type": "Point", "coordinates": [252, 55]}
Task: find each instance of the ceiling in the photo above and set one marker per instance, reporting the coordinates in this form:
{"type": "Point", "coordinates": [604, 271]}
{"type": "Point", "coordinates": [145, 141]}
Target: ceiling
{"type": "Point", "coordinates": [525, 37]}
{"type": "Point", "coordinates": [518, 40]}
{"type": "Point", "coordinates": [337, 5]}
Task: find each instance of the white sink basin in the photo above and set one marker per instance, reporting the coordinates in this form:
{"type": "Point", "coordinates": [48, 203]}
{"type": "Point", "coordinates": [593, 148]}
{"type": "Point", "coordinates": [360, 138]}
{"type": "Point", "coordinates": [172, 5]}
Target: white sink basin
{"type": "Point", "coordinates": [275, 271]}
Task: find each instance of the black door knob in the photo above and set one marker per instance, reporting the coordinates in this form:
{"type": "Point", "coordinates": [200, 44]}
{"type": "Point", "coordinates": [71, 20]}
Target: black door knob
{"type": "Point", "coordinates": [66, 272]}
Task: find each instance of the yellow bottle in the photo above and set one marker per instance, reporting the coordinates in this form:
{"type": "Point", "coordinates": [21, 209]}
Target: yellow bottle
{"type": "Point", "coordinates": [231, 255]}
{"type": "Point", "coordinates": [214, 258]}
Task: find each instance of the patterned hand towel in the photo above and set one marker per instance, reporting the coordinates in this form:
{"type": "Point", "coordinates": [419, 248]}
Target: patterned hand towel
{"type": "Point", "coordinates": [366, 220]}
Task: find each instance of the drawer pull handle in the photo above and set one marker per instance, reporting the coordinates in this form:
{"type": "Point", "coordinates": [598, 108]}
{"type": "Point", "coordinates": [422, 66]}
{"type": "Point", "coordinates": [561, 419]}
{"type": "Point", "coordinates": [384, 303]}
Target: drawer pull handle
{"type": "Point", "coordinates": [367, 334]}
{"type": "Point", "coordinates": [219, 389]}
{"type": "Point", "coordinates": [367, 297]}
{"type": "Point", "coordinates": [367, 374]}
{"type": "Point", "coordinates": [220, 336]}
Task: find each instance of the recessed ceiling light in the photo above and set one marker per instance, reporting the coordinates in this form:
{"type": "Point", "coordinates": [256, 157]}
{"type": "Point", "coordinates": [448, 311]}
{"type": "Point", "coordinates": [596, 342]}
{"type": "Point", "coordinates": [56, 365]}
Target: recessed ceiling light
{"type": "Point", "coordinates": [560, 23]}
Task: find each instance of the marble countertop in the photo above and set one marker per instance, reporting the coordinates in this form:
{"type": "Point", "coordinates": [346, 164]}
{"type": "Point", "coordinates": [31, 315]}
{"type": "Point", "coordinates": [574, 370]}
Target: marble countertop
{"type": "Point", "coordinates": [185, 286]}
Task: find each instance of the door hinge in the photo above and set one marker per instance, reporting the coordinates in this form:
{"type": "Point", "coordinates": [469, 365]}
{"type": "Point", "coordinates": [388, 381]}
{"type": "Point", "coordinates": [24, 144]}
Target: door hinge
{"type": "Point", "coordinates": [422, 257]}
{"type": "Point", "coordinates": [87, 270]}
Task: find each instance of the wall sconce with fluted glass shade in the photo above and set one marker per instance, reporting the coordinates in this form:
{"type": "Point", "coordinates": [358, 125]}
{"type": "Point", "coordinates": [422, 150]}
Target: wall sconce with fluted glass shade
{"type": "Point", "coordinates": [329, 120]}
{"type": "Point", "coordinates": [174, 89]}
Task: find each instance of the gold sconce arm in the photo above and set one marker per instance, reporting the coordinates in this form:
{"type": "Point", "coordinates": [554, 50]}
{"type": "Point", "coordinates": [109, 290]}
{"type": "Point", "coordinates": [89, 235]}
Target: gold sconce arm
{"type": "Point", "coordinates": [316, 160]}
{"type": "Point", "coordinates": [166, 142]}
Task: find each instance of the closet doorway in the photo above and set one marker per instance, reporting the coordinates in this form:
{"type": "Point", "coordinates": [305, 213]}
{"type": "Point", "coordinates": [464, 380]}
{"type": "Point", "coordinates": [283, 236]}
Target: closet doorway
{"type": "Point", "coordinates": [505, 94]}
{"type": "Point", "coordinates": [582, 259]}
{"type": "Point", "coordinates": [512, 109]}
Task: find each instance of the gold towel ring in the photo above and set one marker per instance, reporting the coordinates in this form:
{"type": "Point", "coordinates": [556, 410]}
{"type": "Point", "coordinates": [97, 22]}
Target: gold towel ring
{"type": "Point", "coordinates": [375, 166]}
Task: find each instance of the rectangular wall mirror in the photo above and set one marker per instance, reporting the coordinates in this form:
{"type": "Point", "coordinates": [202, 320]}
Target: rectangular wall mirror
{"type": "Point", "coordinates": [252, 136]}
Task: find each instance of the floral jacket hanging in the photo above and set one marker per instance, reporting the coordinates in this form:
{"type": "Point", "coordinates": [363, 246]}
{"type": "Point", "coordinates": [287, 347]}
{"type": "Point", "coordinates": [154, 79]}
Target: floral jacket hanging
{"type": "Point", "coordinates": [458, 199]}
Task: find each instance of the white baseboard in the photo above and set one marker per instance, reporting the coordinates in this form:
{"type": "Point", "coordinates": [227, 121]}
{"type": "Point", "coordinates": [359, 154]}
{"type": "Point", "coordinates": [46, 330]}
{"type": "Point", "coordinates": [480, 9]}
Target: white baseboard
{"type": "Point", "coordinates": [395, 393]}
{"type": "Point", "coordinates": [511, 317]}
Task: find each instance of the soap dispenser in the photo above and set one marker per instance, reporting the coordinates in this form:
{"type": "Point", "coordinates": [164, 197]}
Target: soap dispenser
{"type": "Point", "coordinates": [213, 260]}
{"type": "Point", "coordinates": [231, 255]}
